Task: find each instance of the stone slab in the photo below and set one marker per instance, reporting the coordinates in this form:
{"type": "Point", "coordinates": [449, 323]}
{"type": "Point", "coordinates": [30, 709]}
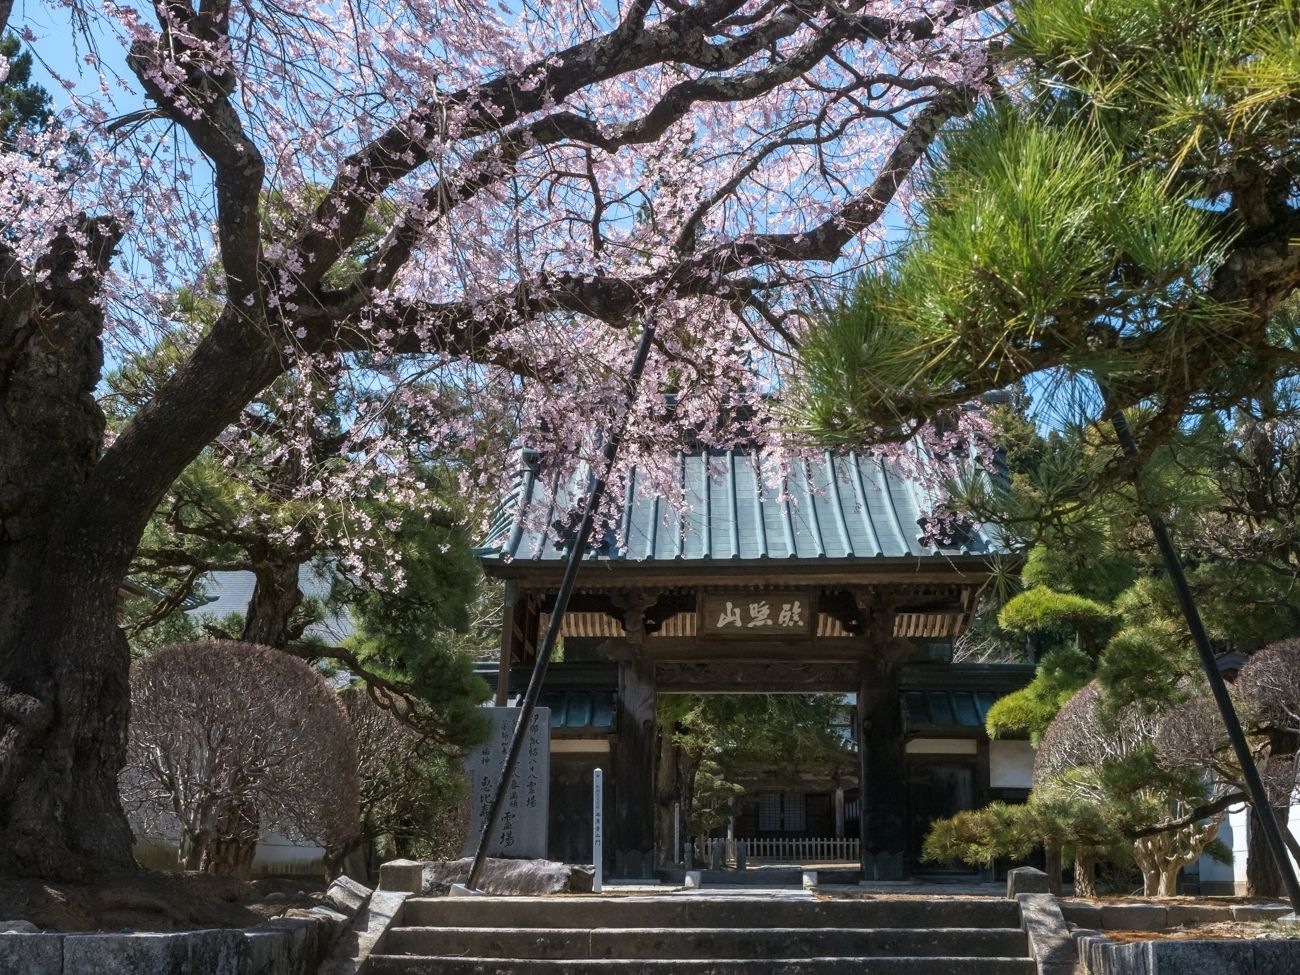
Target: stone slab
{"type": "Point", "coordinates": [31, 954]}
{"type": "Point", "coordinates": [335, 919]}
{"type": "Point", "coordinates": [1276, 957]}
{"type": "Point", "coordinates": [303, 939]}
{"type": "Point", "coordinates": [186, 953]}
{"type": "Point", "coordinates": [703, 909]}
{"type": "Point", "coordinates": [402, 875]}
{"type": "Point", "coordinates": [681, 943]}
{"type": "Point", "coordinates": [1192, 957]}
{"type": "Point", "coordinates": [1259, 912]}
{"type": "Point", "coordinates": [266, 953]}
{"type": "Point", "coordinates": [508, 877]}
{"type": "Point", "coordinates": [1189, 915]}
{"type": "Point", "coordinates": [1134, 917]}
{"type": "Point", "coordinates": [429, 965]}
{"type": "Point", "coordinates": [347, 896]}
{"type": "Point", "coordinates": [1027, 880]}
{"type": "Point", "coordinates": [1081, 913]}
{"type": "Point", "coordinates": [522, 829]}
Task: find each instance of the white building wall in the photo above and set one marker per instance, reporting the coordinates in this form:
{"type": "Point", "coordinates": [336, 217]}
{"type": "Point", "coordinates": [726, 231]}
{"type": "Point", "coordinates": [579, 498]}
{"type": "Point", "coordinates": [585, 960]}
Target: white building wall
{"type": "Point", "coordinates": [1011, 764]}
{"type": "Point", "coordinates": [275, 856]}
{"type": "Point", "coordinates": [1219, 878]}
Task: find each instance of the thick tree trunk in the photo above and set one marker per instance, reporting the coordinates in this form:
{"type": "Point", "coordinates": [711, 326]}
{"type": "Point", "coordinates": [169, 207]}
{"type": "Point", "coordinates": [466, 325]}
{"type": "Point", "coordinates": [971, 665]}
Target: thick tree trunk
{"type": "Point", "coordinates": [1263, 878]}
{"type": "Point", "coordinates": [70, 522]}
{"type": "Point", "coordinates": [233, 845]}
{"type": "Point", "coordinates": [62, 716]}
{"type": "Point", "coordinates": [1052, 864]}
{"type": "Point", "coordinates": [1085, 875]}
{"type": "Point", "coordinates": [275, 598]}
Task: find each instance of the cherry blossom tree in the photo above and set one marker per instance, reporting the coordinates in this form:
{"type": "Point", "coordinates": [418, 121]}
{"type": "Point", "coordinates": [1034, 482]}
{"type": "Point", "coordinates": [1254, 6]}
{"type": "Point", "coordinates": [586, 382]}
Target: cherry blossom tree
{"type": "Point", "coordinates": [552, 176]}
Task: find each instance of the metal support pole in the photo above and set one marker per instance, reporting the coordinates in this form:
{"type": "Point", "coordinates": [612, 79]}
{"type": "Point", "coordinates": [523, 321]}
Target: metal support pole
{"type": "Point", "coordinates": [579, 547]}
{"type": "Point", "coordinates": [1187, 602]}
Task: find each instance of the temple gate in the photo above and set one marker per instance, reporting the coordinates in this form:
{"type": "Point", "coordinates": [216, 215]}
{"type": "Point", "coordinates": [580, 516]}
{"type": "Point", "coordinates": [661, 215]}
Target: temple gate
{"type": "Point", "coordinates": [827, 584]}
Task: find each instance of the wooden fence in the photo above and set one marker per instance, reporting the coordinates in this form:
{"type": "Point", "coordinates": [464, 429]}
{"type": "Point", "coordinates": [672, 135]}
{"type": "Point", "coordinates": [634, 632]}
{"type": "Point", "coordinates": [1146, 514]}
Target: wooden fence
{"type": "Point", "coordinates": [760, 850]}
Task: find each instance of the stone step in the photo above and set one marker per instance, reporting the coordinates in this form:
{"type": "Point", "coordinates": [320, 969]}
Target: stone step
{"type": "Point", "coordinates": [668, 943]}
{"type": "Point", "coordinates": [863, 965]}
{"type": "Point", "coordinates": [702, 911]}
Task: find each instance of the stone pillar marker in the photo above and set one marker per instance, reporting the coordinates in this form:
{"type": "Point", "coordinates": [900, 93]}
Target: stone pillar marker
{"type": "Point", "coordinates": [522, 831]}
{"type": "Point", "coordinates": [598, 831]}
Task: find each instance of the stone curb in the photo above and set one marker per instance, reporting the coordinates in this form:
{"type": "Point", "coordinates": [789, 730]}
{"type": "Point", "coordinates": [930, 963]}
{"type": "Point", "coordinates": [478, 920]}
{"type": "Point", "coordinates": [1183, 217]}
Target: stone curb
{"type": "Point", "coordinates": [1162, 917]}
{"type": "Point", "coordinates": [1101, 956]}
{"type": "Point", "coordinates": [1050, 944]}
{"type": "Point", "coordinates": [366, 935]}
{"type": "Point", "coordinates": [289, 945]}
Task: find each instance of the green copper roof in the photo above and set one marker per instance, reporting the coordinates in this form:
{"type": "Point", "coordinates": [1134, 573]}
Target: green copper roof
{"type": "Point", "coordinates": [845, 506]}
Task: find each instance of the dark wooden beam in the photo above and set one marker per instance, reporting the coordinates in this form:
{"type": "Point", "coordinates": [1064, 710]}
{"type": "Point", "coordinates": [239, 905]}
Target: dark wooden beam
{"type": "Point", "coordinates": [755, 677]}
{"type": "Point", "coordinates": [829, 650]}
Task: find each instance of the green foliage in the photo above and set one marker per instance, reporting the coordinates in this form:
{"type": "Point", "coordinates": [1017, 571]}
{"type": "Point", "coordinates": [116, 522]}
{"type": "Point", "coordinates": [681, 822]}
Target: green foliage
{"type": "Point", "coordinates": [24, 107]}
{"type": "Point", "coordinates": [773, 732]}
{"type": "Point", "coordinates": [1030, 710]}
{"type": "Point", "coordinates": [1095, 219]}
{"type": "Point", "coordinates": [1148, 665]}
{"type": "Point", "coordinates": [1043, 612]}
{"type": "Point", "coordinates": [979, 836]}
{"type": "Point", "coordinates": [1083, 560]}
{"type": "Point", "coordinates": [411, 637]}
{"type": "Point", "coordinates": [723, 739]}
{"type": "Point", "coordinates": [714, 798]}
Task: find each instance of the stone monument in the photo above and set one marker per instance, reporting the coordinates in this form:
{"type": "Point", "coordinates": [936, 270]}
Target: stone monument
{"type": "Point", "coordinates": [522, 831]}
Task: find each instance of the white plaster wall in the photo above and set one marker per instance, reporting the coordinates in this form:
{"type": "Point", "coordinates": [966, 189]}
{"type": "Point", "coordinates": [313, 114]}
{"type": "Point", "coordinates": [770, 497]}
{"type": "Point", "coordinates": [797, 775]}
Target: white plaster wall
{"type": "Point", "coordinates": [1235, 833]}
{"type": "Point", "coordinates": [1011, 764]}
{"type": "Point", "coordinates": [941, 746]}
{"type": "Point", "coordinates": [275, 854]}
{"type": "Point", "coordinates": [578, 746]}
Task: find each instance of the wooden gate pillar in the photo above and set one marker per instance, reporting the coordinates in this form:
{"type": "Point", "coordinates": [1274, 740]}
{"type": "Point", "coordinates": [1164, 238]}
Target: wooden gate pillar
{"type": "Point", "coordinates": [883, 773]}
{"type": "Point", "coordinates": [634, 768]}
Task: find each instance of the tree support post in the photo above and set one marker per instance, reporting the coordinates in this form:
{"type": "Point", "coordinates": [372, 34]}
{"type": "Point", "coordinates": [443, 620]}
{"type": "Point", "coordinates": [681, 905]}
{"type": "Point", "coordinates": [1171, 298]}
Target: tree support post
{"type": "Point", "coordinates": [577, 549]}
{"type": "Point", "coordinates": [1236, 735]}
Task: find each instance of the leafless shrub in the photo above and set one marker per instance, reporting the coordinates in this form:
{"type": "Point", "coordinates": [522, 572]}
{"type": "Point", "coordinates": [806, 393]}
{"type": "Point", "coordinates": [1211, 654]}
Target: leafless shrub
{"type": "Point", "coordinates": [231, 738]}
{"type": "Point", "coordinates": [1269, 687]}
{"type": "Point", "coordinates": [1084, 734]}
{"type": "Point", "coordinates": [410, 786]}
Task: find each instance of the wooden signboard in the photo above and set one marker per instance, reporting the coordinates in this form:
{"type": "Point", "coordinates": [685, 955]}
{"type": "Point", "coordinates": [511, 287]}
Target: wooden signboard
{"type": "Point", "coordinates": [780, 614]}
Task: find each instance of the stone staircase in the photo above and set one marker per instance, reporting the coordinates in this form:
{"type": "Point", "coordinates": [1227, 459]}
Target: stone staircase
{"type": "Point", "coordinates": [698, 934]}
